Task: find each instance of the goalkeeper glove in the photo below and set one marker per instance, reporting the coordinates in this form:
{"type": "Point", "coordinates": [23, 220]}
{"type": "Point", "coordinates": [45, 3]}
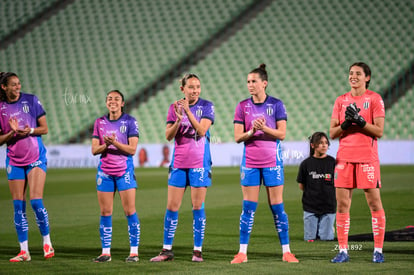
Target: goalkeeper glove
{"type": "Point", "coordinates": [352, 114]}
{"type": "Point", "coordinates": [346, 124]}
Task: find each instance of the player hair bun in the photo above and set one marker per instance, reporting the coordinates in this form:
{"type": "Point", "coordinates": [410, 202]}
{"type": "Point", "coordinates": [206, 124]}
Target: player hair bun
{"type": "Point", "coordinates": [262, 67]}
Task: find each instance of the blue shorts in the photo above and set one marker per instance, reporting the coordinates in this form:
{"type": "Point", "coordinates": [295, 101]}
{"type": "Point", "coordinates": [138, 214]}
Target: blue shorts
{"type": "Point", "coordinates": [108, 183]}
{"type": "Point", "coordinates": [21, 172]}
{"type": "Point", "coordinates": [270, 176]}
{"type": "Point", "coordinates": [194, 177]}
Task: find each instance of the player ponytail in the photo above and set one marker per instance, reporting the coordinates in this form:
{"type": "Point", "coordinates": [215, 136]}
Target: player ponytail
{"type": "Point", "coordinates": [315, 140]}
{"type": "Point", "coordinates": [261, 70]}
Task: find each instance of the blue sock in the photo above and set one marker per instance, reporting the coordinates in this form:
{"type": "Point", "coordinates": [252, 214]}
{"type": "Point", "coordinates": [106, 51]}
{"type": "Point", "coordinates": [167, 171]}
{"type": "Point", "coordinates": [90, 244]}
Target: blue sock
{"type": "Point", "coordinates": [246, 220]}
{"type": "Point", "coordinates": [20, 220]}
{"type": "Point", "coordinates": [281, 222]}
{"type": "Point", "coordinates": [199, 226]}
{"type": "Point", "coordinates": [105, 231]}
{"type": "Point", "coordinates": [42, 218]}
{"type": "Point", "coordinates": [170, 226]}
{"type": "Point", "coordinates": [134, 229]}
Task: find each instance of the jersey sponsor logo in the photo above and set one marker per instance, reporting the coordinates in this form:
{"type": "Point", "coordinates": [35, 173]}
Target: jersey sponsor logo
{"type": "Point", "coordinates": [370, 171]}
{"type": "Point", "coordinates": [127, 178]}
{"type": "Point", "coordinates": [212, 110]}
{"type": "Point", "coordinates": [201, 172]}
{"type": "Point", "coordinates": [247, 108]}
{"type": "Point", "coordinates": [102, 175]}
{"type": "Point", "coordinates": [36, 163]}
{"type": "Point", "coordinates": [278, 170]}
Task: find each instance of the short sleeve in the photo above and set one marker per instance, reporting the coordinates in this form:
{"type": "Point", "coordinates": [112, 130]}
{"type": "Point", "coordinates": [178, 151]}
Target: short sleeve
{"type": "Point", "coordinates": [378, 109]}
{"type": "Point", "coordinates": [95, 133]}
{"type": "Point", "coordinates": [209, 112]}
{"type": "Point", "coordinates": [171, 116]}
{"type": "Point", "coordinates": [133, 128]}
{"type": "Point", "coordinates": [280, 113]}
{"type": "Point", "coordinates": [238, 115]}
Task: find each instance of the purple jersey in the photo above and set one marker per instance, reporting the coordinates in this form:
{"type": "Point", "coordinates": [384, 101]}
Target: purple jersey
{"type": "Point", "coordinates": [114, 162]}
{"type": "Point", "coordinates": [27, 109]}
{"type": "Point", "coordinates": [191, 150]}
{"type": "Point", "coordinates": [261, 150]}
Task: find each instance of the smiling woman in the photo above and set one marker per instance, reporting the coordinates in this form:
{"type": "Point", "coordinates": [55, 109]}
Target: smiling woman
{"type": "Point", "coordinates": [358, 121]}
{"type": "Point", "coordinates": [115, 138]}
{"type": "Point", "coordinates": [188, 123]}
{"type": "Point", "coordinates": [22, 123]}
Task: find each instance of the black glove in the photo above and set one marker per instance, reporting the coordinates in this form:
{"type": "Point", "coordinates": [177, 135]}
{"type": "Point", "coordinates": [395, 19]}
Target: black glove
{"type": "Point", "coordinates": [352, 114]}
{"type": "Point", "coordinates": [346, 124]}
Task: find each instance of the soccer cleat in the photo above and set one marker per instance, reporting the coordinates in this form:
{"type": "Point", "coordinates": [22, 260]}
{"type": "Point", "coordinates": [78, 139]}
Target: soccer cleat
{"type": "Point", "coordinates": [289, 257]}
{"type": "Point", "coordinates": [197, 257]}
{"type": "Point", "coordinates": [341, 257]}
{"type": "Point", "coordinates": [102, 258]}
{"type": "Point", "coordinates": [23, 256]}
{"type": "Point", "coordinates": [48, 251]}
{"type": "Point", "coordinates": [239, 258]}
{"type": "Point", "coordinates": [377, 257]}
{"type": "Point", "coordinates": [132, 258]}
{"type": "Point", "coordinates": [165, 255]}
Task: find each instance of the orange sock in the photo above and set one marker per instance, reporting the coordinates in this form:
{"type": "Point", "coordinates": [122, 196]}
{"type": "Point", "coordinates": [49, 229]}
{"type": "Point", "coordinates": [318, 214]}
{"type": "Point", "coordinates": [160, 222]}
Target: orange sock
{"type": "Point", "coordinates": [342, 229]}
{"type": "Point", "coordinates": [378, 227]}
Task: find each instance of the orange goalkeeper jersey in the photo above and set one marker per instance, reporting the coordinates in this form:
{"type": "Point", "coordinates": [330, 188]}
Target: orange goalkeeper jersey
{"type": "Point", "coordinates": [355, 146]}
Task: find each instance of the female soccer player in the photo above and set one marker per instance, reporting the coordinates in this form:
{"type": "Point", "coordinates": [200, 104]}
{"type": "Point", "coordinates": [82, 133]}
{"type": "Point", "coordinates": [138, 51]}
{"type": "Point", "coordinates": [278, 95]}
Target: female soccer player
{"type": "Point", "coordinates": [22, 123]}
{"type": "Point", "coordinates": [316, 180]}
{"type": "Point", "coordinates": [358, 121]}
{"type": "Point", "coordinates": [115, 138]}
{"type": "Point", "coordinates": [188, 122]}
{"type": "Point", "coordinates": [260, 122]}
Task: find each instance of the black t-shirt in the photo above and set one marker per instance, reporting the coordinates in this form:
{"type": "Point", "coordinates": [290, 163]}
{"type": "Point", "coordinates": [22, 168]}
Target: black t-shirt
{"type": "Point", "coordinates": [317, 177]}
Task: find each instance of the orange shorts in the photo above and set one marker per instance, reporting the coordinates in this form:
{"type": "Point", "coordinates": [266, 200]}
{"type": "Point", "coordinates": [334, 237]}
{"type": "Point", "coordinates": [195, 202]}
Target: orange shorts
{"type": "Point", "coordinates": [357, 175]}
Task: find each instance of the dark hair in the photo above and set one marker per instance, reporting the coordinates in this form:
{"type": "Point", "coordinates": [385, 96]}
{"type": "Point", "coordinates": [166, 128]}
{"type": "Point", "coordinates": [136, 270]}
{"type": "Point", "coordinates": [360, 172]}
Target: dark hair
{"type": "Point", "coordinates": [122, 96]}
{"type": "Point", "coordinates": [366, 69]}
{"type": "Point", "coordinates": [4, 80]}
{"type": "Point", "coordinates": [186, 77]}
{"type": "Point", "coordinates": [261, 70]}
{"type": "Point", "coordinates": [315, 139]}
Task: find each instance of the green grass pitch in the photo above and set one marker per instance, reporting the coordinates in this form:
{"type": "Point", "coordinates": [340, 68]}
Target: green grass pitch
{"type": "Point", "coordinates": [70, 198]}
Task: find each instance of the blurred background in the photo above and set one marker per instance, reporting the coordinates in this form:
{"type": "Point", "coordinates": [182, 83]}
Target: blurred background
{"type": "Point", "coordinates": [71, 53]}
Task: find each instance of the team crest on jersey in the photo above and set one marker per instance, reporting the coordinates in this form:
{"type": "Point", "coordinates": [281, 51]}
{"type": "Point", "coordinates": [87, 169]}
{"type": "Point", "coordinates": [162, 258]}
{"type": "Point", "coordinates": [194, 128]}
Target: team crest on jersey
{"type": "Point", "coordinates": [366, 105]}
{"type": "Point", "coordinates": [123, 127]}
{"type": "Point", "coordinates": [199, 111]}
{"type": "Point", "coordinates": [269, 109]}
{"type": "Point", "coordinates": [26, 108]}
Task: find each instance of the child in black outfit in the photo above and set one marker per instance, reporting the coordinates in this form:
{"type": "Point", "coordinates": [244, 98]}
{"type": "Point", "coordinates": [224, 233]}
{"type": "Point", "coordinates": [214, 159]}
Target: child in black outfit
{"type": "Point", "coordinates": [316, 180]}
